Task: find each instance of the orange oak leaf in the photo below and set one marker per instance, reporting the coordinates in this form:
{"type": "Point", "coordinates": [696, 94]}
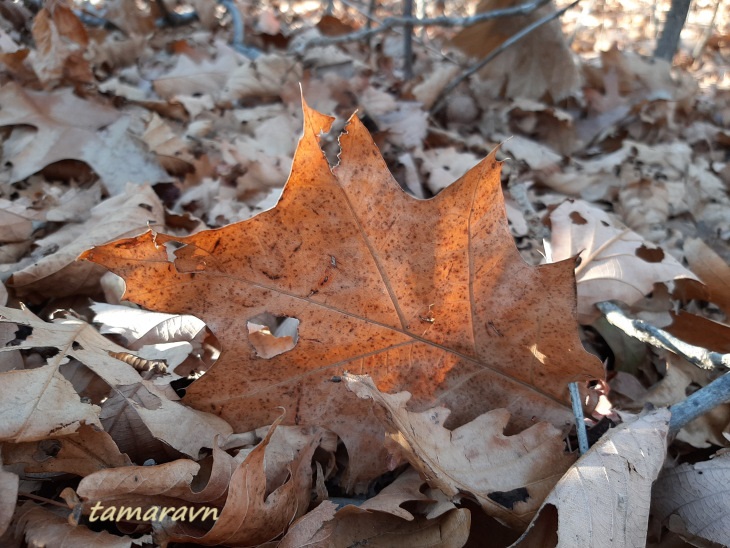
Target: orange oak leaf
{"type": "Point", "coordinates": [425, 296]}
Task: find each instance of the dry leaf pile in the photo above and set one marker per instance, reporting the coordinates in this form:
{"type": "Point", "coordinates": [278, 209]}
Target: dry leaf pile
{"type": "Point", "coordinates": [380, 353]}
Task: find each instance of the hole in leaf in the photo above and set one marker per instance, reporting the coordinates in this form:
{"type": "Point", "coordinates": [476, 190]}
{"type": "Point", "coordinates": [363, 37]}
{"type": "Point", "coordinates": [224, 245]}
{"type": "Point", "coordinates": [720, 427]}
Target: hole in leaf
{"type": "Point", "coordinates": [171, 246]}
{"type": "Point", "coordinates": [577, 218]}
{"type": "Point", "coordinates": [508, 499]}
{"type": "Point", "coordinates": [272, 335]}
{"type": "Point", "coordinates": [650, 255]}
{"type": "Point", "coordinates": [22, 333]}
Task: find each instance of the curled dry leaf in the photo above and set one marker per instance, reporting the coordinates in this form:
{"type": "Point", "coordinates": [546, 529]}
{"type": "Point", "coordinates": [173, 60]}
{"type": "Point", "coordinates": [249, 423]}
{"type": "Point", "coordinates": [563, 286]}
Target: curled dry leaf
{"type": "Point", "coordinates": [256, 511]}
{"type": "Point", "coordinates": [615, 262]}
{"type": "Point", "coordinates": [429, 296]}
{"type": "Point", "coordinates": [69, 128]}
{"type": "Point", "coordinates": [82, 453]}
{"type": "Point", "coordinates": [168, 484]}
{"type": "Point", "coordinates": [184, 429]}
{"type": "Point", "coordinates": [603, 500]}
{"type": "Point", "coordinates": [711, 269]}
{"type": "Point", "coordinates": [509, 476]}
{"type": "Point", "coordinates": [55, 271]}
{"type": "Point", "coordinates": [698, 495]}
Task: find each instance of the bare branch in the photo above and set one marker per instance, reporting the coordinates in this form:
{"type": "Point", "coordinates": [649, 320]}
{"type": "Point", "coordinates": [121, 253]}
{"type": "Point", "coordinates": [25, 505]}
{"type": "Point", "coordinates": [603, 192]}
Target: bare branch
{"type": "Point", "coordinates": [639, 329]}
{"type": "Point", "coordinates": [495, 52]}
{"type": "Point", "coordinates": [238, 32]}
{"type": "Point", "coordinates": [393, 22]}
{"type": "Point", "coordinates": [704, 400]}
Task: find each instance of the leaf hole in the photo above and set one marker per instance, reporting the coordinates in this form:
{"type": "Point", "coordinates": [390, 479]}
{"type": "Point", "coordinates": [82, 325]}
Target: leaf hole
{"type": "Point", "coordinates": [272, 335]}
{"type": "Point", "coordinates": [650, 255]}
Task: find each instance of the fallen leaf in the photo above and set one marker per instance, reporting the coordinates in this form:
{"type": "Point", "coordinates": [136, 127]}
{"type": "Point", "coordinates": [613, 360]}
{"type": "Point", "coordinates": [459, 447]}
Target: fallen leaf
{"type": "Point", "coordinates": [184, 429]}
{"type": "Point", "coordinates": [322, 528]}
{"type": "Point", "coordinates": [9, 483]}
{"type": "Point", "coordinates": [42, 527]}
{"type": "Point", "coordinates": [67, 127]}
{"type": "Point", "coordinates": [55, 271]}
{"type": "Point", "coordinates": [711, 269]}
{"type": "Point", "coordinates": [509, 476]}
{"type": "Point", "coordinates": [697, 494]}
{"type": "Point", "coordinates": [540, 65]}
{"type": "Point", "coordinates": [255, 510]}
{"type": "Point", "coordinates": [61, 41]}
{"type": "Point", "coordinates": [82, 453]}
{"type": "Point", "coordinates": [451, 313]}
{"type": "Point", "coordinates": [603, 499]}
{"type": "Point", "coordinates": [615, 262]}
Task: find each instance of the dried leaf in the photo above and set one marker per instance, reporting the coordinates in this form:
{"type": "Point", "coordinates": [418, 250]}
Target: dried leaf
{"type": "Point", "coordinates": [82, 453]}
{"type": "Point", "coordinates": [55, 271]}
{"type": "Point", "coordinates": [44, 528]}
{"type": "Point", "coordinates": [182, 428]}
{"type": "Point", "coordinates": [9, 483]}
{"type": "Point", "coordinates": [509, 476]}
{"type": "Point", "coordinates": [712, 270]}
{"type": "Point", "coordinates": [603, 500]}
{"type": "Point", "coordinates": [71, 128]}
{"type": "Point", "coordinates": [255, 511]}
{"type": "Point", "coordinates": [616, 263]}
{"type": "Point", "coordinates": [451, 314]}
{"type": "Point", "coordinates": [540, 64]}
{"type": "Point", "coordinates": [698, 495]}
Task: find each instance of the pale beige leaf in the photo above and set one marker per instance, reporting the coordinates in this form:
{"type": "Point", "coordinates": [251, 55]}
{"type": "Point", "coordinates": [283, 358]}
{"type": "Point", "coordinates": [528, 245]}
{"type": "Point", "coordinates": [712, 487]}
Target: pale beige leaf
{"type": "Point", "coordinates": [615, 262]}
{"type": "Point", "coordinates": [192, 78]}
{"type": "Point", "coordinates": [82, 453]}
{"type": "Point", "coordinates": [406, 488]}
{"type": "Point", "coordinates": [534, 154]}
{"type": "Point", "coordinates": [267, 76]}
{"type": "Point", "coordinates": [698, 494]}
{"type": "Point", "coordinates": [603, 500]}
{"type": "Point", "coordinates": [141, 327]}
{"type": "Point", "coordinates": [712, 270]}
{"type": "Point", "coordinates": [71, 128]}
{"type": "Point", "coordinates": [40, 403]}
{"type": "Point", "coordinates": [508, 475]}
{"type": "Point", "coordinates": [9, 483]}
{"type": "Point", "coordinates": [44, 528]}
{"type": "Point", "coordinates": [55, 271]}
{"type": "Point", "coordinates": [184, 429]}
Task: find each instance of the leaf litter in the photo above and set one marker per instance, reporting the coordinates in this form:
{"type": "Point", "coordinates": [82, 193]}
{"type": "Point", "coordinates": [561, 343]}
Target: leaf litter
{"type": "Point", "coordinates": [644, 146]}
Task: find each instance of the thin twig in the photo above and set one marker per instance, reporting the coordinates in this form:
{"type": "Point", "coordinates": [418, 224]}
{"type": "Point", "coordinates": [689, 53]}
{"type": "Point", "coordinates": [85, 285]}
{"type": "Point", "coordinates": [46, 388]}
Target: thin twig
{"type": "Point", "coordinates": [392, 22]}
{"type": "Point", "coordinates": [580, 423]}
{"type": "Point", "coordinates": [495, 52]}
{"type": "Point", "coordinates": [238, 30]}
{"type": "Point", "coordinates": [704, 400]}
{"type": "Point", "coordinates": [396, 30]}
{"type": "Point", "coordinates": [639, 329]}
{"type": "Point", "coordinates": [408, 41]}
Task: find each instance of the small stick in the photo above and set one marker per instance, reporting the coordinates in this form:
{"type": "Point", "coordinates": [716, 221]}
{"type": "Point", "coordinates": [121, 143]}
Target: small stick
{"type": "Point", "coordinates": [408, 41]}
{"type": "Point", "coordinates": [639, 329]}
{"type": "Point", "coordinates": [238, 30]}
{"type": "Point", "coordinates": [705, 399]}
{"type": "Point", "coordinates": [494, 53]}
{"type": "Point", "coordinates": [580, 424]}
